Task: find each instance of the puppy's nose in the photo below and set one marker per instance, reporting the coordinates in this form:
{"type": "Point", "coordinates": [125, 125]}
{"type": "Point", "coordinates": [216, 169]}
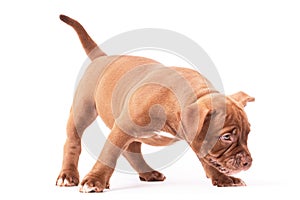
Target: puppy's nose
{"type": "Point", "coordinates": [246, 162]}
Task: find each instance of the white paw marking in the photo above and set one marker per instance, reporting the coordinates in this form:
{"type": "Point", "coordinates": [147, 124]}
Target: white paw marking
{"type": "Point", "coordinates": [66, 183]}
{"type": "Point", "coordinates": [59, 182]}
{"type": "Point", "coordinates": [63, 182]}
{"type": "Point", "coordinates": [86, 189]}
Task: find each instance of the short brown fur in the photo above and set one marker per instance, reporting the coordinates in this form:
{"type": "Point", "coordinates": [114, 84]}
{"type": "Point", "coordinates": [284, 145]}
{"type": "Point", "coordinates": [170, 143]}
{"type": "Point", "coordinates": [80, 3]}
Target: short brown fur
{"type": "Point", "coordinates": [188, 118]}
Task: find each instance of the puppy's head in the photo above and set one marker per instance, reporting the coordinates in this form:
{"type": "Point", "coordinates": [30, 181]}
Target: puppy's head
{"type": "Point", "coordinates": [222, 133]}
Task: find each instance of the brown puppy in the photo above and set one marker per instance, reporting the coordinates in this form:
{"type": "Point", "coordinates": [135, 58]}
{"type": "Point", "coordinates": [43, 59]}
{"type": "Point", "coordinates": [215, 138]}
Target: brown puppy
{"type": "Point", "coordinates": [137, 97]}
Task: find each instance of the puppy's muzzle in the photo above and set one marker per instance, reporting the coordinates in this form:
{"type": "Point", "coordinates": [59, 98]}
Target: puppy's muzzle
{"type": "Point", "coordinates": [241, 161]}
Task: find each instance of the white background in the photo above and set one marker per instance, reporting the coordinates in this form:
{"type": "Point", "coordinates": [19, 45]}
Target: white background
{"type": "Point", "coordinates": [255, 46]}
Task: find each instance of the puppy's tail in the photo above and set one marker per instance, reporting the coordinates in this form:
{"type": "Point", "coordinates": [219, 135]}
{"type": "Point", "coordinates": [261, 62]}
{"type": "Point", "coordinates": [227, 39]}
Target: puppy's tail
{"type": "Point", "coordinates": [90, 47]}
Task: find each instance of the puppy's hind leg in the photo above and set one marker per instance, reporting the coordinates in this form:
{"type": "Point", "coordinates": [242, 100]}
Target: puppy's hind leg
{"type": "Point", "coordinates": [135, 158]}
{"type": "Point", "coordinates": [77, 123]}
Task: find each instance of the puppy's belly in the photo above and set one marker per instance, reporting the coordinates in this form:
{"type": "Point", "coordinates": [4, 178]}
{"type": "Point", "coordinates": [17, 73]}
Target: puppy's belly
{"type": "Point", "coordinates": [158, 139]}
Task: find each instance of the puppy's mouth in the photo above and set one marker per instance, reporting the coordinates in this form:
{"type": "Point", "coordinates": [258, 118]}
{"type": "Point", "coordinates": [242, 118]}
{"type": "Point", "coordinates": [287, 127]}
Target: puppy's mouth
{"type": "Point", "coordinates": [219, 166]}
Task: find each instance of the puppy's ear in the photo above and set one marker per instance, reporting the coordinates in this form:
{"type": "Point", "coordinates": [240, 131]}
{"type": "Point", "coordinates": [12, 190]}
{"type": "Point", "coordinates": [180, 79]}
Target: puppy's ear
{"type": "Point", "coordinates": [192, 120]}
{"type": "Point", "coordinates": [242, 98]}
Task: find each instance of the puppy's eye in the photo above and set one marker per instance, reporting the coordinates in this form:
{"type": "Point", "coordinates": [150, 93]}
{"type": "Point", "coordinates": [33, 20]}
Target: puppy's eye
{"type": "Point", "coordinates": [226, 137]}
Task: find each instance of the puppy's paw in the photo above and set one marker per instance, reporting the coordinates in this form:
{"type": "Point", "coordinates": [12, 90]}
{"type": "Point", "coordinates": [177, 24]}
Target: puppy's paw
{"type": "Point", "coordinates": [227, 181]}
{"type": "Point", "coordinates": [152, 176]}
{"type": "Point", "coordinates": [68, 178]}
{"type": "Point", "coordinates": [93, 184]}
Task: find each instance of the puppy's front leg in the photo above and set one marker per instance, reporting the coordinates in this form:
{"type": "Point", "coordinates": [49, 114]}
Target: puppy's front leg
{"type": "Point", "coordinates": [134, 156]}
{"type": "Point", "coordinates": [98, 178]}
{"type": "Point", "coordinates": [219, 179]}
